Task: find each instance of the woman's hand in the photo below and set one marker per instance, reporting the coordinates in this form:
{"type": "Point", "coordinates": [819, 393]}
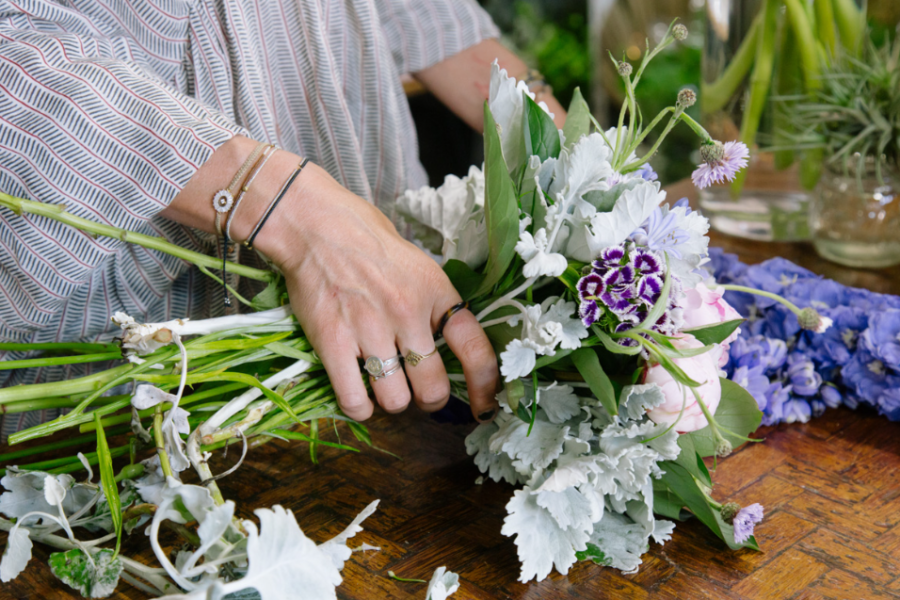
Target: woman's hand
{"type": "Point", "coordinates": [357, 287]}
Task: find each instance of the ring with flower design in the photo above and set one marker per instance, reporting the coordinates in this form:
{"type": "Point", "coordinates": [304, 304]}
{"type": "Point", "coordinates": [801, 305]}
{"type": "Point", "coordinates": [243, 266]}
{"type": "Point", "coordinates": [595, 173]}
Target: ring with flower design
{"type": "Point", "coordinates": [379, 369]}
{"type": "Point", "coordinates": [414, 358]}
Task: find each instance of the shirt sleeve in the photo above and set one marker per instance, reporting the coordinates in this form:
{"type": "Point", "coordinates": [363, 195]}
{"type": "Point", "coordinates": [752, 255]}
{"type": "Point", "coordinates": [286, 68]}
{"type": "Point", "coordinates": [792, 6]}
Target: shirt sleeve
{"type": "Point", "coordinates": [84, 127]}
{"type": "Point", "coordinates": [422, 33]}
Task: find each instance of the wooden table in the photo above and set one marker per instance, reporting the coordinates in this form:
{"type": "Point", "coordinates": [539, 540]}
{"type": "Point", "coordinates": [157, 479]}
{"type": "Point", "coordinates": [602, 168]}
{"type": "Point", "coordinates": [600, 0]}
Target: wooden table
{"type": "Point", "coordinates": [831, 490]}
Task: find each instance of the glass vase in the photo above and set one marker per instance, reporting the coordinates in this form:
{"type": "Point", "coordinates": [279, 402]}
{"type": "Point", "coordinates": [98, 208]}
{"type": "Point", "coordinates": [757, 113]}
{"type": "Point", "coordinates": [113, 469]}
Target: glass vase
{"type": "Point", "coordinates": [854, 218]}
{"type": "Point", "coordinates": [753, 64]}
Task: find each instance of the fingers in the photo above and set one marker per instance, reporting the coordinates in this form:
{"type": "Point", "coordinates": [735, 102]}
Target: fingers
{"type": "Point", "coordinates": [427, 377]}
{"type": "Point", "coordinates": [470, 344]}
{"type": "Point", "coordinates": [342, 366]}
{"type": "Point", "coordinates": [391, 392]}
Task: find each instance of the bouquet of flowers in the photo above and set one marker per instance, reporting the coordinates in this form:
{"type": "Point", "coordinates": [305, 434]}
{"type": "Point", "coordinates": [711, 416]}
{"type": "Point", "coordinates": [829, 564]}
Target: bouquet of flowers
{"type": "Point", "coordinates": [611, 337]}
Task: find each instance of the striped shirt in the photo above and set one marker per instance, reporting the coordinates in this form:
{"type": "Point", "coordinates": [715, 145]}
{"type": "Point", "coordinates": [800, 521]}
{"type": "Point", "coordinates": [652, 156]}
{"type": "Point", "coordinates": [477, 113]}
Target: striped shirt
{"type": "Point", "coordinates": [109, 106]}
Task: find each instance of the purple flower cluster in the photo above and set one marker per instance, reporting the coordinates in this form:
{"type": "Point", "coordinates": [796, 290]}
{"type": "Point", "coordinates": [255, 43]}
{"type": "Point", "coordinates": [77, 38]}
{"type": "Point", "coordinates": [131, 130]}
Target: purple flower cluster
{"type": "Point", "coordinates": [624, 283]}
{"type": "Point", "coordinates": [796, 374]}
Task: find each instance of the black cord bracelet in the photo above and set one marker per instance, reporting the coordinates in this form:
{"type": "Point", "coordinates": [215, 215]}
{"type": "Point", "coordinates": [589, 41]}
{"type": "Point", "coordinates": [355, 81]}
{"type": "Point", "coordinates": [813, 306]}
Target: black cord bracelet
{"type": "Point", "coordinates": [274, 203]}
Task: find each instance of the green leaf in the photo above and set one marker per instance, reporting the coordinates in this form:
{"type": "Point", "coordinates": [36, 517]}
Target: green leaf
{"type": "Point", "coordinates": [666, 503]}
{"type": "Point", "coordinates": [96, 580]}
{"type": "Point", "coordinates": [463, 278]}
{"type": "Point", "coordinates": [515, 391]}
{"type": "Point", "coordinates": [578, 120]}
{"type": "Point", "coordinates": [289, 351]}
{"type": "Point", "coordinates": [684, 486]}
{"type": "Point", "coordinates": [588, 365]}
{"type": "Point", "coordinates": [673, 369]}
{"type": "Point", "coordinates": [592, 552]}
{"type": "Point", "coordinates": [271, 295]}
{"type": "Point", "coordinates": [612, 346]}
{"type": "Point", "coordinates": [715, 334]}
{"type": "Point", "coordinates": [571, 276]}
{"type": "Point", "coordinates": [108, 481]}
{"type": "Point", "coordinates": [501, 209]}
{"type": "Point", "coordinates": [691, 460]}
{"type": "Point", "coordinates": [551, 358]}
{"type": "Point", "coordinates": [541, 134]}
{"type": "Point", "coordinates": [360, 431]}
{"type": "Point", "coordinates": [737, 412]}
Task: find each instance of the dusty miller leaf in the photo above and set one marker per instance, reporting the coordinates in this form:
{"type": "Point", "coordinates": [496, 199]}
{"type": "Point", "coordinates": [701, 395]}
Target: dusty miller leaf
{"type": "Point", "coordinates": [97, 580]}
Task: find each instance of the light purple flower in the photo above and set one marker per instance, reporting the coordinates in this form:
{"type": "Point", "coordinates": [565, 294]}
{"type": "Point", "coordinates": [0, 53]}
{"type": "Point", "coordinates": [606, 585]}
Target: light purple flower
{"type": "Point", "coordinates": [745, 520]}
{"type": "Point", "coordinates": [661, 233]}
{"type": "Point", "coordinates": [718, 171]}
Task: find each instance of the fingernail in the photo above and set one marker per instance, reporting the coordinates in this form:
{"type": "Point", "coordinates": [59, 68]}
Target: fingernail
{"type": "Point", "coordinates": [487, 415]}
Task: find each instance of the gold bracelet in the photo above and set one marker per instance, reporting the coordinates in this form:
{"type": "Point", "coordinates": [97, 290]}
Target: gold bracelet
{"type": "Point", "coordinates": [270, 150]}
{"type": "Point", "coordinates": [224, 198]}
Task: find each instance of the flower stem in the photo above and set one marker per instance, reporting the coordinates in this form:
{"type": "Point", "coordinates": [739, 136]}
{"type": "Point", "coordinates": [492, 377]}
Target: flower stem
{"type": "Point", "coordinates": [58, 213]}
{"type": "Point", "coordinates": [714, 96]}
{"type": "Point", "coordinates": [739, 288]}
{"type": "Point", "coordinates": [160, 442]}
{"type": "Point", "coordinates": [50, 361]}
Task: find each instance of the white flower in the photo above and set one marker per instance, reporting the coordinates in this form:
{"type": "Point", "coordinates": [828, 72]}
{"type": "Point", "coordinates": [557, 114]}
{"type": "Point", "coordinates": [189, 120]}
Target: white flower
{"type": "Point", "coordinates": [559, 402]}
{"type": "Point", "coordinates": [538, 261]}
{"type": "Point", "coordinates": [497, 466]}
{"type": "Point", "coordinates": [529, 452]}
{"type": "Point", "coordinates": [456, 211]}
{"type": "Point", "coordinates": [606, 229]}
{"type": "Point", "coordinates": [443, 584]}
{"type": "Point", "coordinates": [560, 311]}
{"type": "Point", "coordinates": [541, 543]}
{"type": "Point", "coordinates": [508, 108]}
{"type": "Point", "coordinates": [517, 360]}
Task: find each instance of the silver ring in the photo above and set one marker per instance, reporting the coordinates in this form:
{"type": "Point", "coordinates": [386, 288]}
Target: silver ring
{"type": "Point", "coordinates": [378, 368]}
{"type": "Point", "coordinates": [387, 373]}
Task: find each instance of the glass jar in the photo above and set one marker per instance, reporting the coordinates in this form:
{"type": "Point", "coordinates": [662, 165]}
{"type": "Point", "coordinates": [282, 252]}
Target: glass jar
{"type": "Point", "coordinates": [745, 94]}
{"type": "Point", "coordinates": [854, 218]}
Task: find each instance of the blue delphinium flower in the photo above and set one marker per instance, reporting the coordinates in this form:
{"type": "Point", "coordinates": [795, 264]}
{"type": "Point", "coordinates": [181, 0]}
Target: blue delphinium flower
{"type": "Point", "coordinates": [753, 380]}
{"type": "Point", "coordinates": [882, 338]}
{"type": "Point", "coordinates": [796, 409]}
{"type": "Point", "coordinates": [768, 353]}
{"type": "Point", "coordinates": [805, 381]}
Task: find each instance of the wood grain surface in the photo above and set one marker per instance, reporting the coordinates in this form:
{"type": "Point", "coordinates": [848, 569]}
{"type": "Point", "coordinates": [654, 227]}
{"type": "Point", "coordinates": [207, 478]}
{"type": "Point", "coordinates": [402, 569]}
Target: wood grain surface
{"type": "Point", "coordinates": [831, 490]}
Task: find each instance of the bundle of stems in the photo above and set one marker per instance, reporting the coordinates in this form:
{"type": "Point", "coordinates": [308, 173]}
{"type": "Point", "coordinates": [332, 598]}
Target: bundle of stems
{"type": "Point", "coordinates": [806, 37]}
{"type": "Point", "coordinates": [247, 377]}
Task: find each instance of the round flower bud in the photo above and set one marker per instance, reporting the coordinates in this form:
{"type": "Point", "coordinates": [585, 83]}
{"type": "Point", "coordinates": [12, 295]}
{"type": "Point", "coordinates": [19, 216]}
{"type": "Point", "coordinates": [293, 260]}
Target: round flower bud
{"type": "Point", "coordinates": [680, 32]}
{"type": "Point", "coordinates": [724, 448]}
{"type": "Point", "coordinates": [624, 69]}
{"type": "Point", "coordinates": [729, 511]}
{"type": "Point", "coordinates": [809, 318]}
{"type": "Point", "coordinates": [686, 98]}
{"type": "Point", "coordinates": [712, 153]}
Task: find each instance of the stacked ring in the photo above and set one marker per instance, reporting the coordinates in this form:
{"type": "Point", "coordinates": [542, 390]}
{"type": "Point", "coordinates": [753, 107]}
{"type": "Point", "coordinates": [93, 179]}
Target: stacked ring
{"type": "Point", "coordinates": [379, 369]}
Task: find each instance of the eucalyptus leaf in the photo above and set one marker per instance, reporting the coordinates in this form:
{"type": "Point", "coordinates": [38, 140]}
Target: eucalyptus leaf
{"type": "Point", "coordinates": [578, 120]}
{"type": "Point", "coordinates": [500, 207]}
{"type": "Point", "coordinates": [737, 412]}
{"type": "Point", "coordinates": [588, 365]}
{"type": "Point", "coordinates": [715, 334]}
{"type": "Point", "coordinates": [541, 134]}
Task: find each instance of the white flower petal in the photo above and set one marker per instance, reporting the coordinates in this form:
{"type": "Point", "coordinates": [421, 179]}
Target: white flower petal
{"type": "Point", "coordinates": [17, 554]}
{"type": "Point", "coordinates": [443, 584]}
{"type": "Point", "coordinates": [147, 396]}
{"type": "Point", "coordinates": [536, 450]}
{"type": "Point", "coordinates": [559, 402]}
{"type": "Point", "coordinates": [336, 547]}
{"type": "Point", "coordinates": [517, 360]}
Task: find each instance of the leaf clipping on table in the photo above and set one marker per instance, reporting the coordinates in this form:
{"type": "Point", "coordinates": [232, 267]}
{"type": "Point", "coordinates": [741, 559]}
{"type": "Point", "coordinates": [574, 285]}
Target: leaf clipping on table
{"type": "Point", "coordinates": [96, 577]}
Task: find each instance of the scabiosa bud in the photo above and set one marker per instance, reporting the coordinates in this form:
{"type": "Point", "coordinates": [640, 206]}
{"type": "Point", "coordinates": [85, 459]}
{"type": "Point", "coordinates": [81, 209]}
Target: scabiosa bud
{"type": "Point", "coordinates": [624, 69]}
{"type": "Point", "coordinates": [809, 318]}
{"type": "Point", "coordinates": [680, 32]}
{"type": "Point", "coordinates": [687, 98]}
{"type": "Point", "coordinates": [724, 448]}
{"type": "Point", "coordinates": [730, 511]}
{"type": "Point", "coordinates": [712, 152]}
{"type": "Point", "coordinates": [745, 520]}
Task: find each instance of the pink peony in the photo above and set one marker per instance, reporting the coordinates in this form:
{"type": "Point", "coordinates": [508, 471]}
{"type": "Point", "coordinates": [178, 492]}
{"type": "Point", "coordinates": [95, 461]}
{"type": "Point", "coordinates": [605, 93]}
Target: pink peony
{"type": "Point", "coordinates": [704, 369]}
{"type": "Point", "coordinates": [704, 307]}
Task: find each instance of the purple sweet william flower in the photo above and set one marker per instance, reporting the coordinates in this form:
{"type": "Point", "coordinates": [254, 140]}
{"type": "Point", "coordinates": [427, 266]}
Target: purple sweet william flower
{"type": "Point", "coordinates": [734, 158]}
{"type": "Point", "coordinates": [745, 521]}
